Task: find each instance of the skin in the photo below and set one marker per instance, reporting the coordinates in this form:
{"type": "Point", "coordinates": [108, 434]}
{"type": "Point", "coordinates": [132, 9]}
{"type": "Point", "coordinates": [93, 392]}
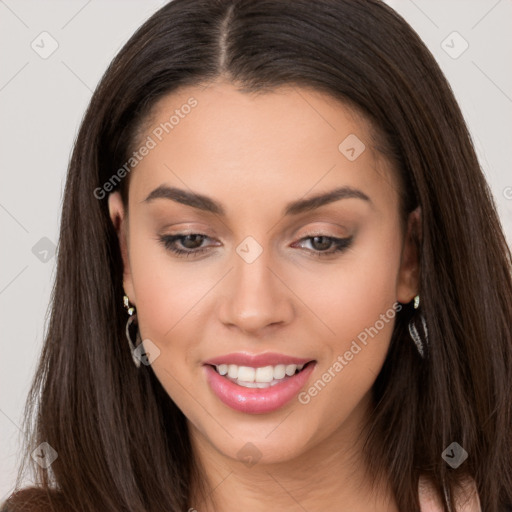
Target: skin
{"type": "Point", "coordinates": [255, 154]}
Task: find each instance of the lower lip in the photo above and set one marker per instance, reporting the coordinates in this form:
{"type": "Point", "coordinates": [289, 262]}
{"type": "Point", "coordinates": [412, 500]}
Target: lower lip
{"type": "Point", "coordinates": [257, 400]}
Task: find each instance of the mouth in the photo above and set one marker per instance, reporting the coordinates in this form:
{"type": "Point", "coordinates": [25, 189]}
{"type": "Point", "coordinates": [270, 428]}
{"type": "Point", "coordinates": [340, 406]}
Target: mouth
{"type": "Point", "coordinates": [257, 389]}
{"type": "Point", "coordinates": [261, 377]}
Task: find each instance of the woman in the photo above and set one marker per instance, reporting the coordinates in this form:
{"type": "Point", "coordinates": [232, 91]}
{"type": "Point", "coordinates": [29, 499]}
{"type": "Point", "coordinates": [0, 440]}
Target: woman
{"type": "Point", "coordinates": [281, 199]}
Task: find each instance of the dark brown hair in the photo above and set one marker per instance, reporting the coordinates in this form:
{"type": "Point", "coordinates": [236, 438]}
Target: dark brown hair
{"type": "Point", "coordinates": [122, 443]}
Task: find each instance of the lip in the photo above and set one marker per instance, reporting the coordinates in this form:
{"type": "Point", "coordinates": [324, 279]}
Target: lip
{"type": "Point", "coordinates": [257, 400]}
{"type": "Point", "coordinates": [256, 360]}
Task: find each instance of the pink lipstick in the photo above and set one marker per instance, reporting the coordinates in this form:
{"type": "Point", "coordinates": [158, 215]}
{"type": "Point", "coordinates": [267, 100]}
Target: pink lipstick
{"type": "Point", "coordinates": [257, 384]}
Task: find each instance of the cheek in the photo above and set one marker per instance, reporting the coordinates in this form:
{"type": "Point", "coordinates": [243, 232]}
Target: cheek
{"type": "Point", "coordinates": [351, 294]}
{"type": "Point", "coordinates": [358, 303]}
{"type": "Point", "coordinates": [168, 292]}
{"type": "Point", "coordinates": [168, 302]}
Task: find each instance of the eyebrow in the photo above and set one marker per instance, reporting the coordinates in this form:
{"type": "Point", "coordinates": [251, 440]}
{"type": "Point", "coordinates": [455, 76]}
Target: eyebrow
{"type": "Point", "coordinates": [205, 203]}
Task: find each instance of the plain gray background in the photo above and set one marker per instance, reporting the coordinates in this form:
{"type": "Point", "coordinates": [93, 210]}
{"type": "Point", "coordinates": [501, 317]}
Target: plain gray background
{"type": "Point", "coordinates": [42, 101]}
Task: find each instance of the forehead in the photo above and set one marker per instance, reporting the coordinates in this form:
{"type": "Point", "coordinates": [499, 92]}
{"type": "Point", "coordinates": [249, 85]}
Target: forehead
{"type": "Point", "coordinates": [275, 145]}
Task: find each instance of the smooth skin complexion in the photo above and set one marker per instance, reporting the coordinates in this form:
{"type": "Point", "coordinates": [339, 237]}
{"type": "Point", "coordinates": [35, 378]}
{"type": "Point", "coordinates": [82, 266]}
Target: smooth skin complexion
{"type": "Point", "coordinates": [254, 155]}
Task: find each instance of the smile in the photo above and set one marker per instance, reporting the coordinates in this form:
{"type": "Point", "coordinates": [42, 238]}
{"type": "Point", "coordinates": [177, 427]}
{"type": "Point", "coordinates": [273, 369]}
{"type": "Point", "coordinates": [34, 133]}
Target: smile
{"type": "Point", "coordinates": [253, 388]}
{"type": "Point", "coordinates": [261, 378]}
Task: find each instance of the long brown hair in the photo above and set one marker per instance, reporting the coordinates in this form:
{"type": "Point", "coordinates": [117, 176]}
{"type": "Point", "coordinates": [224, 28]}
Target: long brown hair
{"type": "Point", "coordinates": [122, 443]}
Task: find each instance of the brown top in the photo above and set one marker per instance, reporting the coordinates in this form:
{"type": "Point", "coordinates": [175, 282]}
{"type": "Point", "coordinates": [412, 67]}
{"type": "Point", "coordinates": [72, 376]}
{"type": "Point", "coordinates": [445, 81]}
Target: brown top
{"type": "Point", "coordinates": [31, 499]}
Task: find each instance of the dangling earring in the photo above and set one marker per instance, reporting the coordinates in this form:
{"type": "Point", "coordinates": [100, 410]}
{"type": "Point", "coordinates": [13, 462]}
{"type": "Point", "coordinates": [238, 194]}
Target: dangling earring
{"type": "Point", "coordinates": [132, 317]}
{"type": "Point", "coordinates": [413, 330]}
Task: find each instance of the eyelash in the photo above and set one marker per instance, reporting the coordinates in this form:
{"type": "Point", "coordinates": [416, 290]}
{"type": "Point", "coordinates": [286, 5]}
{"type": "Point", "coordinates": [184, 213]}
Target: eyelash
{"type": "Point", "coordinates": [168, 241]}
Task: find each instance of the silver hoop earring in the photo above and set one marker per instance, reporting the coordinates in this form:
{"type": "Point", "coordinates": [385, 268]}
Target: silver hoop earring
{"type": "Point", "coordinates": [414, 332]}
{"type": "Point", "coordinates": [132, 317]}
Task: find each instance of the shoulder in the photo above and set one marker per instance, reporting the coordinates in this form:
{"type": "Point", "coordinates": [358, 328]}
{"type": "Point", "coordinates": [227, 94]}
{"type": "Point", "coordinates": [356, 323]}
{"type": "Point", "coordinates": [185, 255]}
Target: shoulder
{"type": "Point", "coordinates": [467, 500]}
{"type": "Point", "coordinates": [33, 499]}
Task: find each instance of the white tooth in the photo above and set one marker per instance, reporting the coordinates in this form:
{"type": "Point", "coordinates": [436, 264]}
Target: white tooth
{"type": "Point", "coordinates": [247, 384]}
{"type": "Point", "coordinates": [262, 384]}
{"type": "Point", "coordinates": [265, 374]}
{"type": "Point", "coordinates": [290, 369]}
{"type": "Point", "coordinates": [246, 373]}
{"type": "Point", "coordinates": [279, 371]}
{"type": "Point", "coordinates": [233, 371]}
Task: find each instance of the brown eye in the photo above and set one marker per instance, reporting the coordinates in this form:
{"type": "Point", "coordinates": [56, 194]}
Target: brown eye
{"type": "Point", "coordinates": [321, 243]}
{"type": "Point", "coordinates": [192, 241]}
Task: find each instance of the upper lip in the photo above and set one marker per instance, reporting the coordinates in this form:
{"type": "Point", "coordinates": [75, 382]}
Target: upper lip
{"type": "Point", "coordinates": [256, 360]}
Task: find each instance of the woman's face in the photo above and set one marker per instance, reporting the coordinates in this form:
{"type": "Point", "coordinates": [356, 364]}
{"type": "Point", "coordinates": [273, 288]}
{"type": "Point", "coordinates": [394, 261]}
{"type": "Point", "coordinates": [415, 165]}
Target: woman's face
{"type": "Point", "coordinates": [268, 270]}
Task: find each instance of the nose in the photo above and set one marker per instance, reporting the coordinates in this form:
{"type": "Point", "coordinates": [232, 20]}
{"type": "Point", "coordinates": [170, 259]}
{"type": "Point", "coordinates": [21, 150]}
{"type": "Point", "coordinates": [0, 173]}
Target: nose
{"type": "Point", "coordinates": [255, 300]}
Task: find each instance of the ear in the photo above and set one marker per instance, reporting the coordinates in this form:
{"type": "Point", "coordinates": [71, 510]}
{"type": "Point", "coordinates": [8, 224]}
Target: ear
{"type": "Point", "coordinates": [120, 221]}
{"type": "Point", "coordinates": [409, 272]}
